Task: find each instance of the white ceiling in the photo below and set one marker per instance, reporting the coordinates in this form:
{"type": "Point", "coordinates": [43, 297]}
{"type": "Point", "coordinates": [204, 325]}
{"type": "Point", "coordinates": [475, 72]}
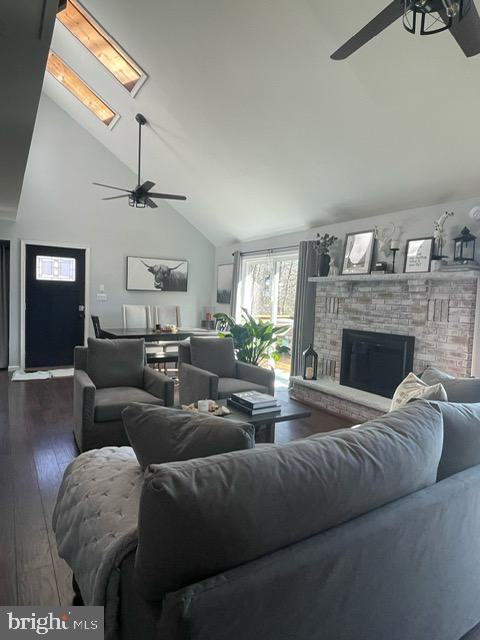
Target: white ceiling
{"type": "Point", "coordinates": [262, 131]}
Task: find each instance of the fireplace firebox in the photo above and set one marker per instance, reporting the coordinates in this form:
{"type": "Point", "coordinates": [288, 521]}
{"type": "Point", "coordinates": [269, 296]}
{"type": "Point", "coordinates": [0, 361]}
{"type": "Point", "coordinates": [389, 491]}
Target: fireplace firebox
{"type": "Point", "coordinates": [375, 362]}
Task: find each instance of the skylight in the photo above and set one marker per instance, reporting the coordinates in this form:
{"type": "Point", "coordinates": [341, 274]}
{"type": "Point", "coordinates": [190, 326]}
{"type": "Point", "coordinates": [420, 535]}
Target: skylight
{"type": "Point", "coordinates": [69, 79]}
{"type": "Point", "coordinates": [101, 45]}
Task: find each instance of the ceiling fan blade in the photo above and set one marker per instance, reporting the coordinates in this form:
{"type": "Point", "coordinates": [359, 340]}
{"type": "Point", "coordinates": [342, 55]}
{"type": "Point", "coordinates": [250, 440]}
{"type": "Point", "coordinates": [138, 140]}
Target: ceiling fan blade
{"type": "Point", "coordinates": [384, 19]}
{"type": "Point", "coordinates": [108, 186]}
{"type": "Point", "coordinates": [146, 186]}
{"type": "Point", "coordinates": [150, 203]}
{"type": "Point", "coordinates": [466, 31]}
{"type": "Point", "coordinates": [166, 196]}
{"type": "Point", "coordinates": [126, 195]}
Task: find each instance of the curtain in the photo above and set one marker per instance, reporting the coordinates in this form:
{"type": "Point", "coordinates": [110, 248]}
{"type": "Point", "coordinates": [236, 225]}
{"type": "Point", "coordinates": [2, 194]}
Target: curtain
{"type": "Point", "coordinates": [4, 302]}
{"type": "Point", "coordinates": [304, 319]}
{"type": "Point", "coordinates": [236, 284]}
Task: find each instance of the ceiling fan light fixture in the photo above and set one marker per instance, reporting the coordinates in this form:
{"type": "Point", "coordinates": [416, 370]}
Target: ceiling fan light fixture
{"type": "Point", "coordinates": [428, 15]}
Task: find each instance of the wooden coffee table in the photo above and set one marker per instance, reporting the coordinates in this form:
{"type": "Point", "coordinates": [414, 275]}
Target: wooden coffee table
{"type": "Point", "coordinates": [265, 423]}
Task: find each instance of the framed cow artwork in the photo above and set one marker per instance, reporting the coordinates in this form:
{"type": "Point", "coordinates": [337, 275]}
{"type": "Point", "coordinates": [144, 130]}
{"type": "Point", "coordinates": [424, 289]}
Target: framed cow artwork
{"type": "Point", "coordinates": [156, 274]}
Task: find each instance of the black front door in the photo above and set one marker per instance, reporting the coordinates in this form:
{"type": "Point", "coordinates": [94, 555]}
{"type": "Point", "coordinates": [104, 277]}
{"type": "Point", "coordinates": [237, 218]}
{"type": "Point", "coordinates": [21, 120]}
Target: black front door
{"type": "Point", "coordinates": [54, 305]}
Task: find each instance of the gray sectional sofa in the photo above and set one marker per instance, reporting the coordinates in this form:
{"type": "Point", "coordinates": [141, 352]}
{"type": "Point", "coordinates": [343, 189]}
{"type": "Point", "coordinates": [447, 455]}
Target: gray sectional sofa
{"type": "Point", "coordinates": [362, 534]}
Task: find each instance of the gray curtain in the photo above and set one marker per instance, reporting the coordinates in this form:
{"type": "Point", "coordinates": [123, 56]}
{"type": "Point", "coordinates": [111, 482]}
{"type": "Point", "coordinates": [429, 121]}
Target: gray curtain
{"type": "Point", "coordinates": [236, 283]}
{"type": "Point", "coordinates": [4, 302]}
{"type": "Point", "coordinates": [304, 322]}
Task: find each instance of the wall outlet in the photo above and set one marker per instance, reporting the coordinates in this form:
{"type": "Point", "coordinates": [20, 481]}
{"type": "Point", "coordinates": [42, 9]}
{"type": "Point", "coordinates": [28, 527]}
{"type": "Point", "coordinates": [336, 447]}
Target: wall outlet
{"type": "Point", "coordinates": [101, 288]}
{"type": "Point", "coordinates": [102, 297]}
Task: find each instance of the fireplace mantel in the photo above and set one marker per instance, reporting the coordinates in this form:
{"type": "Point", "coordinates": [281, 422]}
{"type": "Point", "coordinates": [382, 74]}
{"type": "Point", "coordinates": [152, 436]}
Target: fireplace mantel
{"type": "Point", "coordinates": [461, 274]}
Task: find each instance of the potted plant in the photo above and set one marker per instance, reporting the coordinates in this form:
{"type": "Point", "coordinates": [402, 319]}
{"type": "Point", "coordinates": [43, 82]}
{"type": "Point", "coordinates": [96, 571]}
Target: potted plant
{"type": "Point", "coordinates": [323, 245]}
{"type": "Point", "coordinates": [255, 341]}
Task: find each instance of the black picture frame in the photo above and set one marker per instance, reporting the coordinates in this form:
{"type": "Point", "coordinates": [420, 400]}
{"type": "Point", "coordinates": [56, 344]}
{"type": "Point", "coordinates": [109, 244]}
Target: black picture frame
{"type": "Point", "coordinates": [367, 263]}
{"type": "Point", "coordinates": [136, 281]}
{"type": "Point", "coordinates": [427, 257]}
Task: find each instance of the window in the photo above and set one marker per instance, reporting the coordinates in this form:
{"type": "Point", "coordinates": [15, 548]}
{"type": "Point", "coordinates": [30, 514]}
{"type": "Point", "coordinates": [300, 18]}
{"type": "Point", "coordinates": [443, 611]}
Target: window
{"type": "Point", "coordinates": [269, 283]}
{"type": "Point", "coordinates": [69, 79]}
{"type": "Point", "coordinates": [100, 44]}
{"type": "Point", "coordinates": [57, 269]}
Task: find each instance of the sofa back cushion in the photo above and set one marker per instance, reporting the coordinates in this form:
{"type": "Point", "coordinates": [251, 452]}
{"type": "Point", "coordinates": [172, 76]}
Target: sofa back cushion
{"type": "Point", "coordinates": [461, 437]}
{"type": "Point", "coordinates": [116, 363]}
{"type": "Point", "coordinates": [215, 355]}
{"type": "Point", "coordinates": [464, 390]}
{"type": "Point", "coordinates": [204, 516]}
{"type": "Point", "coordinates": [159, 434]}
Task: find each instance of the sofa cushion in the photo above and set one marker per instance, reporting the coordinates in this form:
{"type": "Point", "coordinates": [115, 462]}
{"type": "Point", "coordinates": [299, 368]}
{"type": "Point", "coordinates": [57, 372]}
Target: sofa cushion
{"type": "Point", "coordinates": [432, 375]}
{"type": "Point", "coordinates": [227, 386]}
{"type": "Point", "coordinates": [213, 354]}
{"type": "Point", "coordinates": [247, 504]}
{"type": "Point", "coordinates": [116, 363]}
{"type": "Point", "coordinates": [463, 390]}
{"type": "Point", "coordinates": [461, 437]}
{"type": "Point", "coordinates": [109, 403]}
{"type": "Point", "coordinates": [412, 387]}
{"type": "Point", "coordinates": [158, 434]}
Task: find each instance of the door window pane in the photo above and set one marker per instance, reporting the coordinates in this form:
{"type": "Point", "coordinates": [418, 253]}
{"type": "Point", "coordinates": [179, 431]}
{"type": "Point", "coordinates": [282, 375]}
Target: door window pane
{"type": "Point", "coordinates": [56, 268]}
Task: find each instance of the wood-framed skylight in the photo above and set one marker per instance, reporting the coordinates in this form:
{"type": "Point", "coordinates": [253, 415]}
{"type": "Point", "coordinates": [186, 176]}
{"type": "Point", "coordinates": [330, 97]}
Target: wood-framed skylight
{"type": "Point", "coordinates": [87, 30]}
{"type": "Point", "coordinates": [71, 81]}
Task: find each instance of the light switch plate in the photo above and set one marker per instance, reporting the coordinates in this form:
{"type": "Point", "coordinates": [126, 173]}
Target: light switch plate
{"type": "Point", "coordinates": [101, 296]}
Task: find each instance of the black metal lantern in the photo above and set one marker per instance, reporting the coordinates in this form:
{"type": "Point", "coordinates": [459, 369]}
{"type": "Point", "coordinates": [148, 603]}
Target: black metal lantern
{"type": "Point", "coordinates": [427, 17]}
{"type": "Point", "coordinates": [465, 246]}
{"type": "Point", "coordinates": [310, 364]}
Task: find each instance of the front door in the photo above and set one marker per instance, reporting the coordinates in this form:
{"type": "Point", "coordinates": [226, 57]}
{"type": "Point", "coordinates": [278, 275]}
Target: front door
{"type": "Point", "coordinates": [54, 305]}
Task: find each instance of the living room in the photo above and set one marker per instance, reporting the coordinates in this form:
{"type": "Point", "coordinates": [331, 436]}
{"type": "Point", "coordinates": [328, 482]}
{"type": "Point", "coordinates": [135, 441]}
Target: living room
{"type": "Point", "coordinates": [240, 320]}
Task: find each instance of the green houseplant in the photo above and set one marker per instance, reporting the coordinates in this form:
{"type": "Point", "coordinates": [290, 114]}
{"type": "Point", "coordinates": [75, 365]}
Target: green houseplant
{"type": "Point", "coordinates": [255, 341]}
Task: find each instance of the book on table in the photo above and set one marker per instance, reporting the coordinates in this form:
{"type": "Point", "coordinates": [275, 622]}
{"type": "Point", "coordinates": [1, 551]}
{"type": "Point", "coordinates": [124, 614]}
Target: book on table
{"type": "Point", "coordinates": [254, 399]}
{"type": "Point", "coordinates": [276, 408]}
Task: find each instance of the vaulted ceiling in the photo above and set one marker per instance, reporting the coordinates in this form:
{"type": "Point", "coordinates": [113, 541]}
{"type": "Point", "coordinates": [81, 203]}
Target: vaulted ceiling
{"type": "Point", "coordinates": [264, 133]}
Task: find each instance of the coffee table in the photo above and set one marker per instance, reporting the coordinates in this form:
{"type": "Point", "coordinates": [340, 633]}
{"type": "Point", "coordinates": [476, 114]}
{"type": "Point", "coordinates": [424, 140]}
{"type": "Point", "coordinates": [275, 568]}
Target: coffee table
{"type": "Point", "coordinates": [265, 423]}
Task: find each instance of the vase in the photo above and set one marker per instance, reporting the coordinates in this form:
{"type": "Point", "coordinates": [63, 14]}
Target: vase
{"type": "Point", "coordinates": [323, 264]}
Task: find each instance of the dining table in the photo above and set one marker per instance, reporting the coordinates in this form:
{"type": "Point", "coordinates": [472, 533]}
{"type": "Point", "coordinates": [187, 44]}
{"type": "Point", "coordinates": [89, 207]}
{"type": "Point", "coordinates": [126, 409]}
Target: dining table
{"type": "Point", "coordinates": [155, 335]}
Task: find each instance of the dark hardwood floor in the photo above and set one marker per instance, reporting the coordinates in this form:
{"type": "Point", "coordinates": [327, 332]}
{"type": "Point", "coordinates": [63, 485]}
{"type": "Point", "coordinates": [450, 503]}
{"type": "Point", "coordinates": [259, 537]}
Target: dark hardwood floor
{"type": "Point", "coordinates": [36, 444]}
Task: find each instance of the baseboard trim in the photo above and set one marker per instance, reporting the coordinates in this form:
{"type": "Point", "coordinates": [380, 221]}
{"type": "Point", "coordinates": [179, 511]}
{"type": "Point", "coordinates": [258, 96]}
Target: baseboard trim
{"type": "Point", "coordinates": [13, 367]}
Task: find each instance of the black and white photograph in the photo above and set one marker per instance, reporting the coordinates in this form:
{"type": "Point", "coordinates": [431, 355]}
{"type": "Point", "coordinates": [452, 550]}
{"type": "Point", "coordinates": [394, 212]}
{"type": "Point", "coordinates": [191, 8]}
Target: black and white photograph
{"type": "Point", "coordinates": [224, 283]}
{"type": "Point", "coordinates": [156, 274]}
{"type": "Point", "coordinates": [357, 258]}
{"type": "Point", "coordinates": [418, 255]}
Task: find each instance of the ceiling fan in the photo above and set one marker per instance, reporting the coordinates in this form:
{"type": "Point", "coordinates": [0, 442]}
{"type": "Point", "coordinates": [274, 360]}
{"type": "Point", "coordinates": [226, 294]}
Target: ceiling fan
{"type": "Point", "coordinates": [426, 17]}
{"type": "Point", "coordinates": [141, 196]}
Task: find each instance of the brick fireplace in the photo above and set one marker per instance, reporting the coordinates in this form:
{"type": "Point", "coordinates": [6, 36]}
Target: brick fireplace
{"type": "Point", "coordinates": [439, 310]}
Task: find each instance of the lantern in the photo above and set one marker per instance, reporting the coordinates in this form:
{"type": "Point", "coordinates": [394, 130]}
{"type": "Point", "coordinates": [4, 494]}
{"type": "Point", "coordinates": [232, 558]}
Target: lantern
{"type": "Point", "coordinates": [310, 364]}
{"type": "Point", "coordinates": [465, 246]}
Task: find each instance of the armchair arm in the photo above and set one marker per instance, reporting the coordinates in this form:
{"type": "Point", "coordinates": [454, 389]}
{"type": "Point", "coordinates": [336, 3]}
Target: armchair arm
{"type": "Point", "coordinates": [257, 375]}
{"type": "Point", "coordinates": [83, 404]}
{"type": "Point", "coordinates": [159, 385]}
{"type": "Point", "coordinates": [197, 384]}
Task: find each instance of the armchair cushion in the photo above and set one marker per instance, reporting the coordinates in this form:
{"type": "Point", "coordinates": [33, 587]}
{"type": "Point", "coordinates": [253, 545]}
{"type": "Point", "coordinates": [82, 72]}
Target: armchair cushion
{"type": "Point", "coordinates": [116, 363]}
{"type": "Point", "coordinates": [215, 355]}
{"type": "Point", "coordinates": [464, 390]}
{"type": "Point", "coordinates": [109, 403]}
{"type": "Point", "coordinates": [227, 386]}
{"type": "Point", "coordinates": [259, 375]}
{"type": "Point", "coordinates": [159, 435]}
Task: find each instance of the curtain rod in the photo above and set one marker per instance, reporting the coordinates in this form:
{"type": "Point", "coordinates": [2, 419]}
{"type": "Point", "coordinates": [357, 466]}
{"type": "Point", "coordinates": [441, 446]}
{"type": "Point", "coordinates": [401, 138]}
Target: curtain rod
{"type": "Point", "coordinates": [268, 251]}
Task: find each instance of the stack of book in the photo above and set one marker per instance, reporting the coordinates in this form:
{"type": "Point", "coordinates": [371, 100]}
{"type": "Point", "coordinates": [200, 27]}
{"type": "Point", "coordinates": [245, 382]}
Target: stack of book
{"type": "Point", "coordinates": [254, 403]}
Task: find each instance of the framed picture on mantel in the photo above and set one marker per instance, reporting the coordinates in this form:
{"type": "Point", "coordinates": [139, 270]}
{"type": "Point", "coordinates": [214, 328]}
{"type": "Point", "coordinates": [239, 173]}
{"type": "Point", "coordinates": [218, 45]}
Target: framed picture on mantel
{"type": "Point", "coordinates": [418, 255]}
{"type": "Point", "coordinates": [357, 259]}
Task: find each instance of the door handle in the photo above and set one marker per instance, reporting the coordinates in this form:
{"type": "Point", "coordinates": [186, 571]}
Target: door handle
{"type": "Point", "coordinates": [81, 311]}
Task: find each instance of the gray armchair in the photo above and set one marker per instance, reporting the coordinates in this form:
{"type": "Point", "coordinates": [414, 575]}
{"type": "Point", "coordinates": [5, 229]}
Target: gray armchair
{"type": "Point", "coordinates": [109, 375]}
{"type": "Point", "coordinates": [207, 368]}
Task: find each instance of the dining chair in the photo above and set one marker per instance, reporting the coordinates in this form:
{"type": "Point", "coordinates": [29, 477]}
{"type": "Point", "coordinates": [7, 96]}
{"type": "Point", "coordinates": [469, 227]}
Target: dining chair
{"type": "Point", "coordinates": [164, 315]}
{"type": "Point", "coordinates": [97, 329]}
{"type": "Point", "coordinates": [136, 316]}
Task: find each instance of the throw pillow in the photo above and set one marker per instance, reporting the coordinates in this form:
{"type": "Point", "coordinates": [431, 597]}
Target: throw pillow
{"type": "Point", "coordinates": [160, 434]}
{"type": "Point", "coordinates": [412, 388]}
{"type": "Point", "coordinates": [461, 437]}
{"type": "Point", "coordinates": [432, 375]}
{"type": "Point", "coordinates": [464, 390]}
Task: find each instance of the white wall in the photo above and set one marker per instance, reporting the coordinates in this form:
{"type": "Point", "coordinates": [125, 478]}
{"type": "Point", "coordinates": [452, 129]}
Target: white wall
{"type": "Point", "coordinates": [59, 204]}
{"type": "Point", "coordinates": [413, 223]}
